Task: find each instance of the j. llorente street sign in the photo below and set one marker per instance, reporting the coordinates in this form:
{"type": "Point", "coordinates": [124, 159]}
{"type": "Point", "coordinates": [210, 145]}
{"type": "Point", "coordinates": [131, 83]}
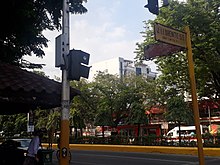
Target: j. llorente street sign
{"type": "Point", "coordinates": [169, 35]}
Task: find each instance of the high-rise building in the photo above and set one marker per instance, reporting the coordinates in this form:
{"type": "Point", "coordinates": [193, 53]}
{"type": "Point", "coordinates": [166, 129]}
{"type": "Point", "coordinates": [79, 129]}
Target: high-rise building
{"type": "Point", "coordinates": [121, 67]}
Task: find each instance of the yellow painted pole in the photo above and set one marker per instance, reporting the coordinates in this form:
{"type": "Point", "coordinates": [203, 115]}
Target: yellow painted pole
{"type": "Point", "coordinates": [64, 143]}
{"type": "Point", "coordinates": [65, 112]}
{"type": "Point", "coordinates": [194, 96]}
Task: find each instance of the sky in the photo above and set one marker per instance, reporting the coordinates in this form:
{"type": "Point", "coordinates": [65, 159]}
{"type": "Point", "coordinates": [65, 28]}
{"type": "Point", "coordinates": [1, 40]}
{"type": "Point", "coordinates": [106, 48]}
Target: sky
{"type": "Point", "coordinates": [110, 29]}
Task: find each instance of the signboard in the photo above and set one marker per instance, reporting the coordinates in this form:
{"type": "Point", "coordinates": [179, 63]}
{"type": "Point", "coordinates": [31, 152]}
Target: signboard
{"type": "Point", "coordinates": [30, 118]}
{"type": "Point", "coordinates": [169, 35]}
{"type": "Point", "coordinates": [30, 124]}
{"type": "Point", "coordinates": [160, 49]}
{"type": "Point", "coordinates": [30, 128]}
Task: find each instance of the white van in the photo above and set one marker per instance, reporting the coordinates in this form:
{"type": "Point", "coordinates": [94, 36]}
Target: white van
{"type": "Point", "coordinates": [187, 134]}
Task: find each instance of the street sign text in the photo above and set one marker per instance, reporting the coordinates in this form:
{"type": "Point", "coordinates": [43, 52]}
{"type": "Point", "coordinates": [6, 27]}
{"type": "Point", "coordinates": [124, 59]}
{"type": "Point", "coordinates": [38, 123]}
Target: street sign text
{"type": "Point", "coordinates": [169, 35]}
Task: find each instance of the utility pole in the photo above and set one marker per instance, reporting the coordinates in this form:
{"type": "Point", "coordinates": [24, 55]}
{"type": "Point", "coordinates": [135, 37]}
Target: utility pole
{"type": "Point", "coordinates": [65, 112]}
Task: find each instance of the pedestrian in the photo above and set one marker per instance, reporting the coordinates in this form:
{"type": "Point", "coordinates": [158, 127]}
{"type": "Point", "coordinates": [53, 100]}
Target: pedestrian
{"type": "Point", "coordinates": [32, 156]}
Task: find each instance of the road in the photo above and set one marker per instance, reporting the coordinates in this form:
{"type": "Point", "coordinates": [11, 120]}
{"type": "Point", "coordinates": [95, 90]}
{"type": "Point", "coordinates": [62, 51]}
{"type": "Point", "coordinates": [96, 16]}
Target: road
{"type": "Point", "coordinates": [80, 157]}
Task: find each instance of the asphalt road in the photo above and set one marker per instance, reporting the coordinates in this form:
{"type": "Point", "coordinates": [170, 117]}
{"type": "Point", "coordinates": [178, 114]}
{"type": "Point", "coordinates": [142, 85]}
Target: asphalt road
{"type": "Point", "coordinates": [80, 157]}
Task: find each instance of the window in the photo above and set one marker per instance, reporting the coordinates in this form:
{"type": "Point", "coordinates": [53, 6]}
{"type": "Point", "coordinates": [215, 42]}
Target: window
{"type": "Point", "coordinates": [148, 70]}
{"type": "Point", "coordinates": [170, 134]}
{"type": "Point", "coordinates": [138, 71]}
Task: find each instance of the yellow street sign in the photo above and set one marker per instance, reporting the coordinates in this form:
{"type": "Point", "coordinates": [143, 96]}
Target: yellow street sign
{"type": "Point", "coordinates": [169, 35]}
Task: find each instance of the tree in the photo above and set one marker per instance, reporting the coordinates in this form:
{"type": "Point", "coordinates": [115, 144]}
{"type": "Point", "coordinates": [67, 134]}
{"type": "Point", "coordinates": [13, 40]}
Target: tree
{"type": "Point", "coordinates": [124, 100]}
{"type": "Point", "coordinates": [84, 105]}
{"type": "Point", "coordinates": [203, 19]}
{"type": "Point", "coordinates": [110, 100]}
{"type": "Point", "coordinates": [21, 31]}
{"type": "Point", "coordinates": [139, 99]}
{"type": "Point", "coordinates": [179, 112]}
{"type": "Point", "coordinates": [87, 107]}
{"type": "Point", "coordinates": [13, 124]}
{"type": "Point", "coordinates": [107, 89]}
{"type": "Point", "coordinates": [76, 121]}
{"type": "Point", "coordinates": [103, 118]}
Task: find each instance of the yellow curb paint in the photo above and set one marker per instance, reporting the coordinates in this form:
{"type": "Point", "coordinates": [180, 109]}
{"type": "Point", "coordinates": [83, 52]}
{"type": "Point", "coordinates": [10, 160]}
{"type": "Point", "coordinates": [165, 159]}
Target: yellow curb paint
{"type": "Point", "coordinates": [146, 149]}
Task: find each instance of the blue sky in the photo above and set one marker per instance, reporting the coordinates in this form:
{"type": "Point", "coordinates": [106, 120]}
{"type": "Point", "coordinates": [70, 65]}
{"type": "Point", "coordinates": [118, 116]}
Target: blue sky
{"type": "Point", "coordinates": [109, 29]}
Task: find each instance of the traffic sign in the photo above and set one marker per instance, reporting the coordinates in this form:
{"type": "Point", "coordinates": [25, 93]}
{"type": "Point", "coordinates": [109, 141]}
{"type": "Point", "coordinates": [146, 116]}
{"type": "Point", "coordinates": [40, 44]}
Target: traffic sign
{"type": "Point", "coordinates": [160, 49]}
{"type": "Point", "coordinates": [169, 35]}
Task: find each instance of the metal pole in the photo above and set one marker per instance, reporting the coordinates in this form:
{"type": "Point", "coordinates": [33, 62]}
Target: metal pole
{"type": "Point", "coordinates": [64, 134]}
{"type": "Point", "coordinates": [194, 96]}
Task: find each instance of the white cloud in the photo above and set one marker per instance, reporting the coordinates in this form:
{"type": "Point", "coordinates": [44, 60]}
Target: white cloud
{"type": "Point", "coordinates": [98, 34]}
{"type": "Point", "coordinates": [102, 42]}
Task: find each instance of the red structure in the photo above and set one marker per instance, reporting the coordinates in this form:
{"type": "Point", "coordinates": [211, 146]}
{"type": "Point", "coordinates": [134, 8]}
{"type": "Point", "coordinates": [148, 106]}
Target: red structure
{"type": "Point", "coordinates": [145, 130]}
{"type": "Point", "coordinates": [209, 112]}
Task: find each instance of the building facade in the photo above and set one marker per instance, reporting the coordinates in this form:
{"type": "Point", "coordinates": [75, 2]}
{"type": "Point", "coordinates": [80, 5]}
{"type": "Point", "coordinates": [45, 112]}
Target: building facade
{"type": "Point", "coordinates": [121, 67]}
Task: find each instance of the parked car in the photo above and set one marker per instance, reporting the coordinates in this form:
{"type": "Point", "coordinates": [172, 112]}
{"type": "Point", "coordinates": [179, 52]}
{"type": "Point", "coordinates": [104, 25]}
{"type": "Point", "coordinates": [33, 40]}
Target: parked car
{"type": "Point", "coordinates": [13, 151]}
{"type": "Point", "coordinates": [23, 143]}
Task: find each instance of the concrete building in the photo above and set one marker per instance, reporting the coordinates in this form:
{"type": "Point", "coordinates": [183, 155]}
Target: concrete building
{"type": "Point", "coordinates": [121, 67]}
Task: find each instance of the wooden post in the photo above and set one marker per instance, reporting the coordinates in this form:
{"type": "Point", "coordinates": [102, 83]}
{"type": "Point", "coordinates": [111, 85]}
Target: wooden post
{"type": "Point", "coordinates": [194, 96]}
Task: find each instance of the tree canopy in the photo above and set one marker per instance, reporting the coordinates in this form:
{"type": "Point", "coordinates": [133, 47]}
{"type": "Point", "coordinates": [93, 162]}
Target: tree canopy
{"type": "Point", "coordinates": [110, 100]}
{"type": "Point", "coordinates": [179, 112]}
{"type": "Point", "coordinates": [23, 23]}
{"type": "Point", "coordinates": [203, 18]}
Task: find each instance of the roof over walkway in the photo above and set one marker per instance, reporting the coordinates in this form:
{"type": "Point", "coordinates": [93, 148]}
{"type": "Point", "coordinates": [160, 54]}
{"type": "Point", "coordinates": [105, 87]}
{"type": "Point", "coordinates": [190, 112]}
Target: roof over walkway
{"type": "Point", "coordinates": [21, 91]}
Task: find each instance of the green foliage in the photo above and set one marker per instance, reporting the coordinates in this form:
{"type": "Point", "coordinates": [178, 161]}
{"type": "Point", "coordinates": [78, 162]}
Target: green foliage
{"type": "Point", "coordinates": [139, 98]}
{"type": "Point", "coordinates": [76, 118]}
{"type": "Point", "coordinates": [103, 118]}
{"type": "Point", "coordinates": [148, 37]}
{"type": "Point", "coordinates": [178, 111]}
{"type": "Point", "coordinates": [47, 119]}
{"type": "Point", "coordinates": [13, 124]}
{"type": "Point", "coordinates": [84, 105]}
{"type": "Point", "coordinates": [203, 19]}
{"type": "Point", "coordinates": [21, 30]}
{"type": "Point", "coordinates": [110, 100]}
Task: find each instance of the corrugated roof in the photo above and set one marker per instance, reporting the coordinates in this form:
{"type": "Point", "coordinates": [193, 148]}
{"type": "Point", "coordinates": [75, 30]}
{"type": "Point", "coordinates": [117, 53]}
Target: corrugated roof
{"type": "Point", "coordinates": [21, 90]}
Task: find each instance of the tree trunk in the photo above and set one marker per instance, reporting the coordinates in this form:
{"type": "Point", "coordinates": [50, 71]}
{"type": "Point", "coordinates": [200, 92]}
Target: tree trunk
{"type": "Point", "coordinates": [138, 133]}
{"type": "Point", "coordinates": [179, 133]}
{"type": "Point", "coordinates": [75, 133]}
{"type": "Point", "coordinates": [81, 132]}
{"type": "Point", "coordinates": [103, 131]}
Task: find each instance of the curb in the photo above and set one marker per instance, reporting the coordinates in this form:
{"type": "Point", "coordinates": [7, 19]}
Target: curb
{"type": "Point", "coordinates": [144, 149]}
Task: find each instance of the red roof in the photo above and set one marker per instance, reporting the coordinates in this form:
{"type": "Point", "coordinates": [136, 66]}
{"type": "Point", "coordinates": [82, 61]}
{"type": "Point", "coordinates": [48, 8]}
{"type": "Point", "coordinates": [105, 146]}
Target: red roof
{"type": "Point", "coordinates": [212, 104]}
{"type": "Point", "coordinates": [155, 110]}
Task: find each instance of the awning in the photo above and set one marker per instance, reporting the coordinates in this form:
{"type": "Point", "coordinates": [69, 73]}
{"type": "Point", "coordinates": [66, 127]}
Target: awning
{"type": "Point", "coordinates": [21, 91]}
